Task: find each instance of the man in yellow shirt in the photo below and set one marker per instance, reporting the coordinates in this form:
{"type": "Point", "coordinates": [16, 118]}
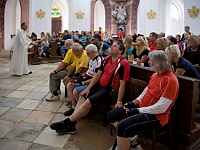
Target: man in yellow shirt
{"type": "Point", "coordinates": [60, 72]}
{"type": "Point", "coordinates": [80, 64]}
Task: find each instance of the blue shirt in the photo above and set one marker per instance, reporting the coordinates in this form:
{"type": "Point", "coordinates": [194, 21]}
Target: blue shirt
{"type": "Point", "coordinates": [190, 70]}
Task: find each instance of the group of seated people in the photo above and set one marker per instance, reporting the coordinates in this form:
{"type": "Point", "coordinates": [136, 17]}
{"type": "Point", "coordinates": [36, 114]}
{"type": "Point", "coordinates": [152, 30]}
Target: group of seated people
{"type": "Point", "coordinates": [97, 73]}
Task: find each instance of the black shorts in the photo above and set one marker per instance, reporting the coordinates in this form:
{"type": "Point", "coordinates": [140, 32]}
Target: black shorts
{"type": "Point", "coordinates": [99, 94]}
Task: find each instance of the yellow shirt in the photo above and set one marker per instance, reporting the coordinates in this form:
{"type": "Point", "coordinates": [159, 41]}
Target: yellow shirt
{"type": "Point", "coordinates": [69, 58]}
{"type": "Point", "coordinates": [81, 61]}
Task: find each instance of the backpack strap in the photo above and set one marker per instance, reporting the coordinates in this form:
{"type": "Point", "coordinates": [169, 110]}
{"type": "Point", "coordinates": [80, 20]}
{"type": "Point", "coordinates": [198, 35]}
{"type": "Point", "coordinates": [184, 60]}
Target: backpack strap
{"type": "Point", "coordinates": [109, 85]}
{"type": "Point", "coordinates": [101, 46]}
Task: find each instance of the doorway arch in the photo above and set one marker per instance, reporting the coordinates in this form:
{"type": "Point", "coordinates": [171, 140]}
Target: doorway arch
{"type": "Point", "coordinates": [64, 9]}
{"type": "Point", "coordinates": [11, 22]}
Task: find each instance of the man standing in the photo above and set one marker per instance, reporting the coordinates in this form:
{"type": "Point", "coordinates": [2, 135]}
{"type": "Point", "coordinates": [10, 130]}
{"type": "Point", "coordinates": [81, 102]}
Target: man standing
{"type": "Point", "coordinates": [112, 75]}
{"type": "Point", "coordinates": [19, 61]}
{"type": "Point", "coordinates": [60, 72]}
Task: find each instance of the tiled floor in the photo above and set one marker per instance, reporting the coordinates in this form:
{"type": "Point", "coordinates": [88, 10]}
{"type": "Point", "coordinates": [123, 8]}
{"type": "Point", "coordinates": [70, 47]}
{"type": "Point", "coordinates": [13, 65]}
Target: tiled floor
{"type": "Point", "coordinates": [25, 115]}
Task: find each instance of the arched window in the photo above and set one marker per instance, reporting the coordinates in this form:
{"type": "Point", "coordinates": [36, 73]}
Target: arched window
{"type": "Point", "coordinates": [175, 11]}
{"type": "Point", "coordinates": [99, 16]}
{"type": "Point", "coordinates": [55, 12]}
{"type": "Point", "coordinates": [176, 17]}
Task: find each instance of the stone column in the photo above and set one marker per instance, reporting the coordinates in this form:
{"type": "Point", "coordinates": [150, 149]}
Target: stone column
{"type": "Point", "coordinates": [2, 10]}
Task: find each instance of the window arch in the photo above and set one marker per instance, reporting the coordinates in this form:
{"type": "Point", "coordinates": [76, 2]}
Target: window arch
{"type": "Point", "coordinates": [175, 12]}
{"type": "Point", "coordinates": [99, 16]}
{"type": "Point", "coordinates": [177, 17]}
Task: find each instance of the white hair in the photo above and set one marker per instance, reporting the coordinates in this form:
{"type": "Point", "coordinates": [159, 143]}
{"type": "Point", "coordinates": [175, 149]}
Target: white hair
{"type": "Point", "coordinates": [91, 48]}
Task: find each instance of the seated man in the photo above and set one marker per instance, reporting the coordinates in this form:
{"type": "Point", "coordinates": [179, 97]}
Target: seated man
{"type": "Point", "coordinates": [74, 89]}
{"type": "Point", "coordinates": [192, 53]}
{"type": "Point", "coordinates": [80, 63]}
{"type": "Point", "coordinates": [103, 47]}
{"type": "Point", "coordinates": [60, 72]}
{"type": "Point", "coordinates": [112, 75]}
{"type": "Point", "coordinates": [152, 108]}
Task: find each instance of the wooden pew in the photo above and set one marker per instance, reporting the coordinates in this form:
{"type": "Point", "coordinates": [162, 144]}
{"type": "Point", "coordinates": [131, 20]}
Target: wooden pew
{"type": "Point", "coordinates": [186, 135]}
{"type": "Point", "coordinates": [53, 56]}
{"type": "Point", "coordinates": [33, 56]}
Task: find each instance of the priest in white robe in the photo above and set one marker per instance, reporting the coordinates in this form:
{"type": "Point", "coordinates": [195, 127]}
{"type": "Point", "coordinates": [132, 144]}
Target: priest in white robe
{"type": "Point", "coordinates": [19, 61]}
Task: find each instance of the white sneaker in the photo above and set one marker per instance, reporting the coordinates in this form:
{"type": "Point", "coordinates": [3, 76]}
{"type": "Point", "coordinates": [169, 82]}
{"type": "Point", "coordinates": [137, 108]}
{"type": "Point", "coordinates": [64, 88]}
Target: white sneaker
{"type": "Point", "coordinates": [53, 98]}
{"type": "Point", "coordinates": [59, 91]}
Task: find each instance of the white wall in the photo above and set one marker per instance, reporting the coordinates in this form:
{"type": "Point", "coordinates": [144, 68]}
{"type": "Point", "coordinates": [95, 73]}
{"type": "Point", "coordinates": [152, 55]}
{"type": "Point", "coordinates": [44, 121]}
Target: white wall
{"type": "Point", "coordinates": [162, 21]}
{"type": "Point", "coordinates": [83, 6]}
{"type": "Point", "coordinates": [38, 25]}
{"type": "Point", "coordinates": [193, 23]}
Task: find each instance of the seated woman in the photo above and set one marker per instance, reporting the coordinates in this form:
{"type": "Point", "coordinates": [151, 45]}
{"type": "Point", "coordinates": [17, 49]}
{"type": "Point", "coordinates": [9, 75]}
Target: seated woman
{"type": "Point", "coordinates": [152, 108]}
{"type": "Point", "coordinates": [140, 53]}
{"type": "Point", "coordinates": [179, 65]}
{"type": "Point", "coordinates": [162, 43]}
{"type": "Point", "coordinates": [74, 89]}
{"type": "Point", "coordinates": [128, 47]}
{"type": "Point", "coordinates": [83, 39]}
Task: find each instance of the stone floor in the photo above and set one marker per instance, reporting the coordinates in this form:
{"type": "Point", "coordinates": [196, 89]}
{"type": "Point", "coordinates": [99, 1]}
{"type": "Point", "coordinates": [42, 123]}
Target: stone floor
{"type": "Point", "coordinates": [25, 115]}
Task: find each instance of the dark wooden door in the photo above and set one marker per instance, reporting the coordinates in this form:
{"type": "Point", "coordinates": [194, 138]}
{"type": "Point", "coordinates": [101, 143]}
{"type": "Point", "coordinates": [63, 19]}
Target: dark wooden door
{"type": "Point", "coordinates": [56, 24]}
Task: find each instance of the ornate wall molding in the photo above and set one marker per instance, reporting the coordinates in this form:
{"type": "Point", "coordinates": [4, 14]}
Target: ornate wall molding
{"type": "Point", "coordinates": [40, 14]}
{"type": "Point", "coordinates": [151, 14]}
{"type": "Point", "coordinates": [79, 15]}
{"type": "Point", "coordinates": [194, 12]}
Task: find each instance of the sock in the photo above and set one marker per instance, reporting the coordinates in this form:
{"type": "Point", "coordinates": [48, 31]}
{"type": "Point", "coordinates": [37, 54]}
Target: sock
{"type": "Point", "coordinates": [55, 93]}
{"type": "Point", "coordinates": [70, 123]}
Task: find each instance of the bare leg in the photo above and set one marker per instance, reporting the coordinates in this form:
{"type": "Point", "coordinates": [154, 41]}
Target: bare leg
{"type": "Point", "coordinates": [81, 111]}
{"type": "Point", "coordinates": [70, 88]}
{"type": "Point", "coordinates": [123, 143]}
{"type": "Point", "coordinates": [80, 102]}
{"type": "Point", "coordinates": [76, 94]}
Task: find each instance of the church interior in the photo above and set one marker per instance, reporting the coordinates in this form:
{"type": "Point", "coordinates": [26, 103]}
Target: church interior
{"type": "Point", "coordinates": [25, 115]}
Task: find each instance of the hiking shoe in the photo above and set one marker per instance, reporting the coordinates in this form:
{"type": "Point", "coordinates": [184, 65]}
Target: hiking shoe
{"type": "Point", "coordinates": [58, 125]}
{"type": "Point", "coordinates": [59, 91]}
{"type": "Point", "coordinates": [53, 98]}
{"type": "Point", "coordinates": [67, 130]}
{"type": "Point", "coordinates": [69, 112]}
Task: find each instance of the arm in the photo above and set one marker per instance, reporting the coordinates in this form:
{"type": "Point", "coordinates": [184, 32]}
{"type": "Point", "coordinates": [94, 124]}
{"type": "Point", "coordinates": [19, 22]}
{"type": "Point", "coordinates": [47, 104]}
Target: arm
{"type": "Point", "coordinates": [144, 59]}
{"type": "Point", "coordinates": [121, 93]}
{"type": "Point", "coordinates": [130, 58]}
{"type": "Point", "coordinates": [180, 71]}
{"type": "Point", "coordinates": [80, 69]}
{"type": "Point", "coordinates": [94, 80]}
{"type": "Point", "coordinates": [160, 107]}
{"type": "Point", "coordinates": [60, 67]}
{"type": "Point", "coordinates": [71, 70]}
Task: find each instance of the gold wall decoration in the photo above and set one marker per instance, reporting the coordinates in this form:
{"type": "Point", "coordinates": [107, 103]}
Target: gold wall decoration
{"type": "Point", "coordinates": [40, 14]}
{"type": "Point", "coordinates": [151, 14]}
{"type": "Point", "coordinates": [194, 12]}
{"type": "Point", "coordinates": [79, 15]}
